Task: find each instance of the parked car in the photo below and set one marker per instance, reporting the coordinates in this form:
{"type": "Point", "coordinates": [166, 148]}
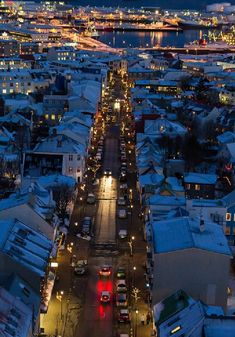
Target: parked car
{"type": "Point", "coordinates": [80, 268]}
{"type": "Point", "coordinates": [124, 316]}
{"type": "Point", "coordinates": [121, 273]}
{"type": "Point", "coordinates": [91, 199]}
{"type": "Point", "coordinates": [86, 224]}
{"type": "Point", "coordinates": [121, 201]}
{"type": "Point", "coordinates": [122, 214]}
{"type": "Point", "coordinates": [105, 297]}
{"type": "Point", "coordinates": [121, 286]}
{"type": "Point", "coordinates": [121, 300]}
{"type": "Point", "coordinates": [122, 233]}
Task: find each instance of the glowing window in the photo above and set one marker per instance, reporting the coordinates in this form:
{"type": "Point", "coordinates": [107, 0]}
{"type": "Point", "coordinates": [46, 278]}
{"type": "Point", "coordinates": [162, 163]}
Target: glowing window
{"type": "Point", "coordinates": [228, 217]}
{"type": "Point", "coordinates": [177, 328]}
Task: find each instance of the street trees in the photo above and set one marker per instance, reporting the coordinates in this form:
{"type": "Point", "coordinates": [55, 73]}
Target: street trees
{"type": "Point", "coordinates": [63, 195]}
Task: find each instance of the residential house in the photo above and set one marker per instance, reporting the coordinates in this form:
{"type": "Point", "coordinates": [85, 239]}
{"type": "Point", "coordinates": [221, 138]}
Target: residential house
{"type": "Point", "coordinates": [187, 254]}
{"type": "Point", "coordinates": [34, 207]}
{"type": "Point", "coordinates": [16, 317]}
{"type": "Point", "coordinates": [181, 315]}
{"type": "Point", "coordinates": [200, 185]}
{"type": "Point", "coordinates": [56, 154]}
{"type": "Point", "coordinates": [25, 252]}
{"type": "Point", "coordinates": [21, 290]}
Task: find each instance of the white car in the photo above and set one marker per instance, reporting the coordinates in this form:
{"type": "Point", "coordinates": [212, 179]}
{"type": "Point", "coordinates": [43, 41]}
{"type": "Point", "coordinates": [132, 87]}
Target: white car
{"type": "Point", "coordinates": [121, 286]}
{"type": "Point", "coordinates": [121, 201]}
{"type": "Point", "coordinates": [122, 233]}
{"type": "Point", "coordinates": [122, 214]}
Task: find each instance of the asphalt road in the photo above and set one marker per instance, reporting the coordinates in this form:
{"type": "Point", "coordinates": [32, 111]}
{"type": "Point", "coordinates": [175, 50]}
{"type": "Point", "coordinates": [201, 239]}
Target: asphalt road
{"type": "Point", "coordinates": [97, 320]}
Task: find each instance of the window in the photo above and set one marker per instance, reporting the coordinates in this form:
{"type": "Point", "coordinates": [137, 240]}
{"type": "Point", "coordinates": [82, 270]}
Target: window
{"type": "Point", "coordinates": [176, 329]}
{"type": "Point", "coordinates": [53, 117]}
{"type": "Point", "coordinates": [197, 187]}
{"type": "Point", "coordinates": [4, 91]}
{"type": "Point", "coordinates": [228, 217]}
{"type": "Point", "coordinates": [70, 157]}
{"type": "Point", "coordinates": [188, 186]}
{"type": "Point", "coordinates": [46, 116]}
{"type": "Point", "coordinates": [78, 157]}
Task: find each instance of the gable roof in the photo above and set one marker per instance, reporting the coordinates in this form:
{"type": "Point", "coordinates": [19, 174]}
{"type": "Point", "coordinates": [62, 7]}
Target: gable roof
{"type": "Point", "coordinates": [184, 233]}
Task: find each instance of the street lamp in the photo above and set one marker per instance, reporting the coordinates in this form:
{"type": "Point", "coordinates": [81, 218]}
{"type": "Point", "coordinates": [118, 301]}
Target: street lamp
{"type": "Point", "coordinates": [134, 269]}
{"type": "Point", "coordinates": [136, 319]}
{"type": "Point", "coordinates": [59, 296]}
{"type": "Point", "coordinates": [130, 243]}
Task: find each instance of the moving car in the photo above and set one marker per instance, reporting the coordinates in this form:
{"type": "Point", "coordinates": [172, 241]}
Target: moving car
{"type": "Point", "coordinates": [121, 273]}
{"type": "Point", "coordinates": [121, 300]}
{"type": "Point", "coordinates": [122, 214]}
{"type": "Point", "coordinates": [105, 271]}
{"type": "Point", "coordinates": [124, 316]}
{"type": "Point", "coordinates": [107, 172]}
{"type": "Point", "coordinates": [121, 286]}
{"type": "Point", "coordinates": [105, 297]}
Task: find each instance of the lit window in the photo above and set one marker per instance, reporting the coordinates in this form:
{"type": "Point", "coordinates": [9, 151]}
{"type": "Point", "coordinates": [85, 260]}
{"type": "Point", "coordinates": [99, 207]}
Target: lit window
{"type": "Point", "coordinates": [228, 217]}
{"type": "Point", "coordinates": [197, 187]}
{"type": "Point", "coordinates": [46, 116]}
{"type": "Point", "coordinates": [4, 91]}
{"type": "Point", "coordinates": [11, 91]}
{"type": "Point", "coordinates": [53, 117]}
{"type": "Point", "coordinates": [177, 328]}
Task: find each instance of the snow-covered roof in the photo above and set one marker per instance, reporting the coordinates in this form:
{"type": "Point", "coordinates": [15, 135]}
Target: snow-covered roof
{"type": "Point", "coordinates": [231, 149]}
{"type": "Point", "coordinates": [151, 179]}
{"type": "Point", "coordinates": [165, 200]}
{"type": "Point", "coordinates": [185, 233]}
{"type": "Point", "coordinates": [219, 327]}
{"type": "Point", "coordinates": [51, 181]}
{"type": "Point", "coordinates": [226, 137]}
{"type": "Point", "coordinates": [163, 126]}
{"type": "Point", "coordinates": [59, 144]}
{"type": "Point", "coordinates": [200, 178]}
{"type": "Point", "coordinates": [25, 245]}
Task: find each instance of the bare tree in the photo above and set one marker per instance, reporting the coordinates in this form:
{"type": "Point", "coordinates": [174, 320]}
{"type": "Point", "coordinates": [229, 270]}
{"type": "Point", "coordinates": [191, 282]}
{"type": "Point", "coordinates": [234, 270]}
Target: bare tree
{"type": "Point", "coordinates": [63, 195]}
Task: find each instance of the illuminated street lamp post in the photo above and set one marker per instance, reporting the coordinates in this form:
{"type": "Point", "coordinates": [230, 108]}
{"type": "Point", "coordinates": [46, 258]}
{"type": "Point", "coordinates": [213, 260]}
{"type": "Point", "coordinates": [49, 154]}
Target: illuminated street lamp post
{"type": "Point", "coordinates": [59, 296]}
{"type": "Point", "coordinates": [136, 320]}
{"type": "Point", "coordinates": [134, 269]}
{"type": "Point", "coordinates": [130, 243]}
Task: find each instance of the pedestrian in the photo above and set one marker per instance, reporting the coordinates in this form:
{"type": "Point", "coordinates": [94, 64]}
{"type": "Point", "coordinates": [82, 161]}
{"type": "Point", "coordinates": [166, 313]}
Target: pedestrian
{"type": "Point", "coordinates": [142, 319]}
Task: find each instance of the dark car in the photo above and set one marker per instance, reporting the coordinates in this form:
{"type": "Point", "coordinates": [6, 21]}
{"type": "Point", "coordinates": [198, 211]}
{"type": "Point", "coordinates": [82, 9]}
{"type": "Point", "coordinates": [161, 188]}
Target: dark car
{"type": "Point", "coordinates": [107, 172]}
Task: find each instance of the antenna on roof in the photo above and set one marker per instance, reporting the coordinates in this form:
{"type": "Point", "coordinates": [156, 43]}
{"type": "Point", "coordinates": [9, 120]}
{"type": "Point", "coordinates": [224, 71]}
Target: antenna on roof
{"type": "Point", "coordinates": [202, 224]}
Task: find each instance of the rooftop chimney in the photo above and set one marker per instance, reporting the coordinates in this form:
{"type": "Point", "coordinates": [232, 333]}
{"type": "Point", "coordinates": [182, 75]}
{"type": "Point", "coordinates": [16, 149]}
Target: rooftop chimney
{"type": "Point", "coordinates": [202, 225]}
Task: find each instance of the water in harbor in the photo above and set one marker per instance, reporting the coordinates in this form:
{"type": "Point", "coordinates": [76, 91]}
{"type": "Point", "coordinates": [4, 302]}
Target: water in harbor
{"type": "Point", "coordinates": [148, 39]}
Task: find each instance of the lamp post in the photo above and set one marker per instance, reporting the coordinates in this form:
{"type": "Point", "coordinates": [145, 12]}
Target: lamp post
{"type": "Point", "coordinates": [136, 320]}
{"type": "Point", "coordinates": [134, 269]}
{"type": "Point", "coordinates": [131, 214]}
{"type": "Point", "coordinates": [59, 296]}
{"type": "Point", "coordinates": [130, 243]}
